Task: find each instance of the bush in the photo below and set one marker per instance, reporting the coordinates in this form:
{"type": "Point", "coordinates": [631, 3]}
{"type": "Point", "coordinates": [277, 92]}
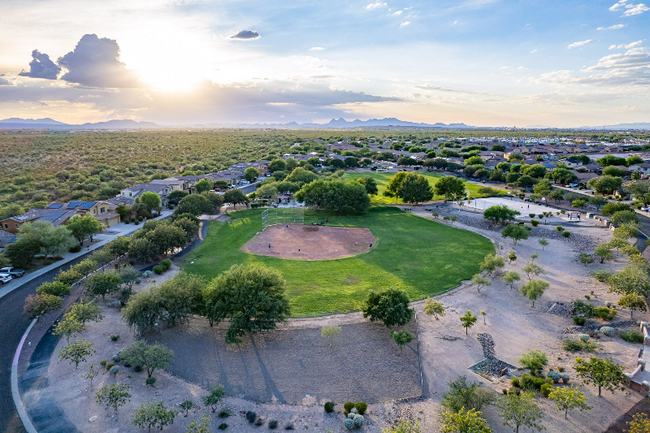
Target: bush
{"type": "Point", "coordinates": [607, 330]}
{"type": "Point", "coordinates": [116, 357]}
{"type": "Point", "coordinates": [223, 413]}
{"type": "Point", "coordinates": [223, 426]}
{"type": "Point", "coordinates": [251, 416]}
{"type": "Point", "coordinates": [531, 382]}
{"type": "Point", "coordinates": [150, 381]}
{"type": "Point", "coordinates": [114, 369]}
{"type": "Point", "coordinates": [515, 382]}
{"type": "Point", "coordinates": [348, 407]}
{"type": "Point", "coordinates": [158, 269]}
{"type": "Point", "coordinates": [534, 223]}
{"type": "Point", "coordinates": [273, 424]}
{"type": "Point", "coordinates": [55, 288]}
{"type": "Point", "coordinates": [559, 228]}
{"type": "Point", "coordinates": [166, 264]}
{"type": "Point", "coordinates": [259, 421]}
{"type": "Point", "coordinates": [358, 420]}
{"type": "Point", "coordinates": [137, 368]}
{"type": "Point", "coordinates": [75, 249]}
{"type": "Point", "coordinates": [580, 321]}
{"type": "Point", "coordinates": [361, 407]}
{"type": "Point", "coordinates": [115, 337]}
{"type": "Point", "coordinates": [583, 337]}
{"type": "Point", "coordinates": [532, 215]}
{"type": "Point", "coordinates": [632, 336]}
{"type": "Point", "coordinates": [566, 233]}
{"type": "Point", "coordinates": [109, 366]}
{"type": "Point", "coordinates": [565, 378]}
{"type": "Point", "coordinates": [572, 345]}
{"type": "Point", "coordinates": [583, 308]}
{"type": "Point", "coordinates": [349, 424]}
{"type": "Point", "coordinates": [102, 363]}
{"type": "Point", "coordinates": [329, 407]}
{"type": "Point", "coordinates": [601, 275]}
{"type": "Point", "coordinates": [554, 376]}
{"type": "Point", "coordinates": [606, 313]}
{"type": "Point", "coordinates": [289, 426]}
{"type": "Point", "coordinates": [546, 389]}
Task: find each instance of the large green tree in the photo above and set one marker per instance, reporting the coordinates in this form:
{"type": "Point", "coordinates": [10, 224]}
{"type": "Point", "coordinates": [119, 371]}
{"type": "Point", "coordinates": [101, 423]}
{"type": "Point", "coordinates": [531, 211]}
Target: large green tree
{"type": "Point", "coordinates": [516, 232]}
{"type": "Point", "coordinates": [103, 283]}
{"type": "Point", "coordinates": [451, 188]}
{"type": "Point", "coordinates": [602, 373]}
{"type": "Point", "coordinates": [390, 306]}
{"type": "Point", "coordinates": [235, 196]}
{"type": "Point", "coordinates": [520, 410]}
{"type": "Point", "coordinates": [149, 356]}
{"type": "Point", "coordinates": [83, 227]}
{"type": "Point", "coordinates": [151, 200]}
{"type": "Point", "coordinates": [500, 214]}
{"type": "Point", "coordinates": [416, 189]}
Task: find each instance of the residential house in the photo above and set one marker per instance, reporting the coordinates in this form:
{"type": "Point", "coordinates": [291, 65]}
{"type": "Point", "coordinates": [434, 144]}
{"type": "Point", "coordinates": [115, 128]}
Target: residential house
{"type": "Point", "coordinates": [162, 189]}
{"type": "Point", "coordinates": [643, 169]}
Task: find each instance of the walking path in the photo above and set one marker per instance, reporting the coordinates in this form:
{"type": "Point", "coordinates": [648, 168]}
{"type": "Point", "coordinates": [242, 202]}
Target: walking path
{"type": "Point", "coordinates": [104, 238]}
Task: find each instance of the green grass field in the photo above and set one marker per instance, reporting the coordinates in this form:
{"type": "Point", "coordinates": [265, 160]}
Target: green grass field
{"type": "Point", "coordinates": [417, 255]}
{"type": "Point", "coordinates": [383, 179]}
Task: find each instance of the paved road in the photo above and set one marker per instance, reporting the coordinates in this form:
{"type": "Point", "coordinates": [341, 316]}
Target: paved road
{"type": "Point", "coordinates": [12, 327]}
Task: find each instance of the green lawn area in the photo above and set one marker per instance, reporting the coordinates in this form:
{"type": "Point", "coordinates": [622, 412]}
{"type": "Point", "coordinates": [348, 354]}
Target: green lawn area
{"type": "Point", "coordinates": [383, 179]}
{"type": "Point", "coordinates": [417, 255]}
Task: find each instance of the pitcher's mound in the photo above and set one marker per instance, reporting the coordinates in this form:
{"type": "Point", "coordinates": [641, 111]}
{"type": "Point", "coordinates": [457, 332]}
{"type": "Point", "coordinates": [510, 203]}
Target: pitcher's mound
{"type": "Point", "coordinates": [310, 242]}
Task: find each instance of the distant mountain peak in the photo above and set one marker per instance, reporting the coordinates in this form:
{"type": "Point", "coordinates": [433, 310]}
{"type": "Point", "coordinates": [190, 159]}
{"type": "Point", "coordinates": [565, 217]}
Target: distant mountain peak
{"type": "Point", "coordinates": [47, 123]}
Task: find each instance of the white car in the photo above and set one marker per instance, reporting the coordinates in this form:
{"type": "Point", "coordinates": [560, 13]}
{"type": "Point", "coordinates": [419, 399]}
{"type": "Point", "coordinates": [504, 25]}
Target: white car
{"type": "Point", "coordinates": [5, 278]}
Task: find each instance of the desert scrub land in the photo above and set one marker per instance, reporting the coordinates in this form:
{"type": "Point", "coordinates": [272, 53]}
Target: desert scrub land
{"type": "Point", "coordinates": [414, 254]}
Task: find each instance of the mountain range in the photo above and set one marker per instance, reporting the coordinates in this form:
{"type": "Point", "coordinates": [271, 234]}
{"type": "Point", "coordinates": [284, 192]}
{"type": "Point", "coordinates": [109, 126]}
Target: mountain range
{"type": "Point", "coordinates": [47, 123]}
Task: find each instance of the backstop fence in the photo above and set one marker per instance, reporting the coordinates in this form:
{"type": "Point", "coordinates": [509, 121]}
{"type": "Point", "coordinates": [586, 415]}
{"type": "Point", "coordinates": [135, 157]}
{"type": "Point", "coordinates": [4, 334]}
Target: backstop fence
{"type": "Point", "coordinates": [289, 215]}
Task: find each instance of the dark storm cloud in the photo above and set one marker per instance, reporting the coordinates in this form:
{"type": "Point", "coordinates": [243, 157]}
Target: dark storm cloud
{"type": "Point", "coordinates": [245, 34]}
{"type": "Point", "coordinates": [41, 67]}
{"type": "Point", "coordinates": [95, 62]}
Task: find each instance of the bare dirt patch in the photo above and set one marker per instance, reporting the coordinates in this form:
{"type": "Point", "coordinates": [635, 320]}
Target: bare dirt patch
{"type": "Point", "coordinates": [307, 242]}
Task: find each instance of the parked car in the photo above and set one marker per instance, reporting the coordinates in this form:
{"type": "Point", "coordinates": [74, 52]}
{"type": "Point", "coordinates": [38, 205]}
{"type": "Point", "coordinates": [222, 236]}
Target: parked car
{"type": "Point", "coordinates": [5, 278]}
{"type": "Point", "coordinates": [13, 272]}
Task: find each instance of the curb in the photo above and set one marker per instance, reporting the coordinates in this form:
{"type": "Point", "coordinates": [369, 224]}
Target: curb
{"type": "Point", "coordinates": [15, 393]}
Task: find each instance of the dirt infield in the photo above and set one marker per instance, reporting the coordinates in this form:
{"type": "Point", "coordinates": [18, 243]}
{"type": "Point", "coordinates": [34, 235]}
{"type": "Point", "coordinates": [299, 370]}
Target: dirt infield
{"type": "Point", "coordinates": [305, 242]}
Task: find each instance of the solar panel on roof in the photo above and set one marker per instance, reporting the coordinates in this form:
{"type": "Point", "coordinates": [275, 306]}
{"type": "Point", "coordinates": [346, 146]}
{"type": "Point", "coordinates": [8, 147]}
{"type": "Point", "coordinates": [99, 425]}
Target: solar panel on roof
{"type": "Point", "coordinates": [54, 206]}
{"type": "Point", "coordinates": [74, 204]}
{"type": "Point", "coordinates": [87, 205]}
{"type": "Point", "coordinates": [52, 216]}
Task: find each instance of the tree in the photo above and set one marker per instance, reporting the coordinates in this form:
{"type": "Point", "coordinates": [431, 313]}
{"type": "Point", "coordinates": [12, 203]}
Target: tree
{"type": "Point", "coordinates": [113, 395]}
{"type": "Point", "coordinates": [603, 373]}
{"type": "Point", "coordinates": [597, 201]}
{"type": "Point", "coordinates": [640, 423]}
{"type": "Point", "coordinates": [217, 393]}
{"type": "Point", "coordinates": [519, 410]}
{"type": "Point", "coordinates": [83, 227]}
{"type": "Point", "coordinates": [450, 187]}
{"type": "Point", "coordinates": [69, 326]}
{"type": "Point", "coordinates": [603, 252]}
{"type": "Point", "coordinates": [534, 290]}
{"type": "Point", "coordinates": [567, 398]}
{"type": "Point", "coordinates": [543, 242]}
{"type": "Point", "coordinates": [277, 165]}
{"type": "Point", "coordinates": [534, 360]}
{"type": "Point", "coordinates": [118, 247]}
{"type": "Point", "coordinates": [563, 176]}
{"type": "Point", "coordinates": [416, 189]}
{"type": "Point", "coordinates": [252, 297]}
{"type": "Point", "coordinates": [165, 238]}
{"type": "Point", "coordinates": [516, 232]}
{"type": "Point", "coordinates": [77, 352]}
{"type": "Point", "coordinates": [626, 231]}
{"type": "Point", "coordinates": [301, 176]}
{"type": "Point", "coordinates": [492, 263]}
{"type": "Point", "coordinates": [586, 259]}
{"type": "Point", "coordinates": [484, 314]}
{"type": "Point", "coordinates": [468, 320]}
{"type": "Point", "coordinates": [532, 268]}
{"type": "Point", "coordinates": [370, 184]}
{"type": "Point", "coordinates": [390, 306]}
{"type": "Point", "coordinates": [624, 217]}
{"type": "Point", "coordinates": [403, 426]}
{"type": "Point", "coordinates": [91, 374]}
{"type": "Point", "coordinates": [480, 281]}
{"type": "Point", "coordinates": [205, 185]}
{"type": "Point", "coordinates": [153, 415]}
{"type": "Point", "coordinates": [434, 308]}
{"type": "Point", "coordinates": [605, 184]}
{"type": "Point", "coordinates": [465, 394]}
{"type": "Point", "coordinates": [631, 279]}
{"type": "Point", "coordinates": [143, 311]}
{"type": "Point", "coordinates": [510, 278]}
{"type": "Point", "coordinates": [37, 306]}
{"type": "Point", "coordinates": [103, 283]}
{"type": "Point", "coordinates": [54, 241]}
{"type": "Point", "coordinates": [633, 302]}
{"type": "Point", "coordinates": [394, 186]}
{"type": "Point", "coordinates": [195, 204]}
{"type": "Point", "coordinates": [512, 256]}
{"type": "Point", "coordinates": [469, 421]}
{"type": "Point", "coordinates": [56, 288]}
{"type": "Point", "coordinates": [331, 331]}
{"type": "Point", "coordinates": [142, 250]}
{"type": "Point", "coordinates": [21, 253]}
{"type": "Point", "coordinates": [149, 356]}
{"type": "Point", "coordinates": [612, 207]}
{"type": "Point", "coordinates": [267, 191]}
{"type": "Point", "coordinates": [151, 200]}
{"type": "Point", "coordinates": [235, 196]}
{"type": "Point", "coordinates": [251, 174]}
{"type": "Point", "coordinates": [200, 426]}
{"type": "Point", "coordinates": [402, 338]}
{"type": "Point", "coordinates": [499, 214]}
{"type": "Point", "coordinates": [176, 196]}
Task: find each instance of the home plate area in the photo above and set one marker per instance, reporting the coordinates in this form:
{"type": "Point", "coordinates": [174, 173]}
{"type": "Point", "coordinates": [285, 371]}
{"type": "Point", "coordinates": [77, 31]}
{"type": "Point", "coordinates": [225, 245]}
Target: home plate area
{"type": "Point", "coordinates": [310, 242]}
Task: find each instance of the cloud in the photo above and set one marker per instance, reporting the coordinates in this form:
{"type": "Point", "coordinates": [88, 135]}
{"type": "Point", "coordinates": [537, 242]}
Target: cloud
{"type": "Point", "coordinates": [96, 62]}
{"type": "Point", "coordinates": [578, 44]}
{"type": "Point", "coordinates": [398, 13]}
{"type": "Point", "coordinates": [614, 27]}
{"type": "Point", "coordinates": [4, 81]}
{"type": "Point", "coordinates": [41, 67]}
{"type": "Point", "coordinates": [376, 5]}
{"type": "Point", "coordinates": [316, 49]}
{"type": "Point", "coordinates": [245, 34]}
{"type": "Point", "coordinates": [628, 46]}
{"type": "Point", "coordinates": [405, 23]}
{"type": "Point", "coordinates": [629, 9]}
{"type": "Point", "coordinates": [533, 51]}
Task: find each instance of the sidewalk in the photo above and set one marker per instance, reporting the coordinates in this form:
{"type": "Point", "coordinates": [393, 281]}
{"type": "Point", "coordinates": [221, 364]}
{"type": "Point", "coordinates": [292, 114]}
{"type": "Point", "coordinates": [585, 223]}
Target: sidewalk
{"type": "Point", "coordinates": [107, 236]}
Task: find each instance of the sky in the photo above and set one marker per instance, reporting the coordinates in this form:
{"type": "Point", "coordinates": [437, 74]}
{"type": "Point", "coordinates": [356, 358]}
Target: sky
{"type": "Point", "coordinates": [521, 63]}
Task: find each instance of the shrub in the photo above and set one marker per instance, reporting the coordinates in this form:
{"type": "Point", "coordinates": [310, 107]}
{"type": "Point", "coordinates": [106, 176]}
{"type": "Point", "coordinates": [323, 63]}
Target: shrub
{"type": "Point", "coordinates": [75, 249]}
{"type": "Point", "coordinates": [580, 321]}
{"type": "Point", "coordinates": [565, 378]}
{"type": "Point", "coordinates": [102, 363]}
{"type": "Point", "coordinates": [349, 424]}
{"type": "Point", "coordinates": [273, 424]}
{"type": "Point", "coordinates": [358, 421]}
{"type": "Point", "coordinates": [583, 308]}
{"type": "Point", "coordinates": [116, 357]}
{"type": "Point", "coordinates": [223, 413]}
{"type": "Point", "coordinates": [546, 389]}
{"type": "Point", "coordinates": [534, 223]}
{"type": "Point", "coordinates": [289, 426]}
{"type": "Point", "coordinates": [329, 407]}
{"type": "Point", "coordinates": [632, 336]}
{"type": "Point", "coordinates": [515, 382]}
{"type": "Point", "coordinates": [602, 275]}
{"type": "Point", "coordinates": [606, 313]}
{"type": "Point", "coordinates": [137, 368]}
{"type": "Point", "coordinates": [531, 382]}
{"type": "Point", "coordinates": [532, 215]}
{"type": "Point", "coordinates": [114, 369]}
{"type": "Point", "coordinates": [566, 233]}
{"type": "Point", "coordinates": [607, 330]}
{"type": "Point", "coordinates": [150, 381]}
{"type": "Point", "coordinates": [559, 228]}
{"type": "Point", "coordinates": [251, 416]}
{"type": "Point", "coordinates": [158, 269]}
{"type": "Point", "coordinates": [348, 407]}
{"type": "Point", "coordinates": [223, 426]}
{"type": "Point", "coordinates": [354, 411]}
{"type": "Point", "coordinates": [109, 366]}
{"type": "Point", "coordinates": [55, 288]}
{"type": "Point", "coordinates": [115, 337]}
{"type": "Point", "coordinates": [554, 376]}
{"type": "Point", "coordinates": [166, 264]}
{"type": "Point", "coordinates": [259, 421]}
{"type": "Point", "coordinates": [583, 337]}
{"type": "Point", "coordinates": [572, 345]}
{"type": "Point", "coordinates": [362, 406]}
